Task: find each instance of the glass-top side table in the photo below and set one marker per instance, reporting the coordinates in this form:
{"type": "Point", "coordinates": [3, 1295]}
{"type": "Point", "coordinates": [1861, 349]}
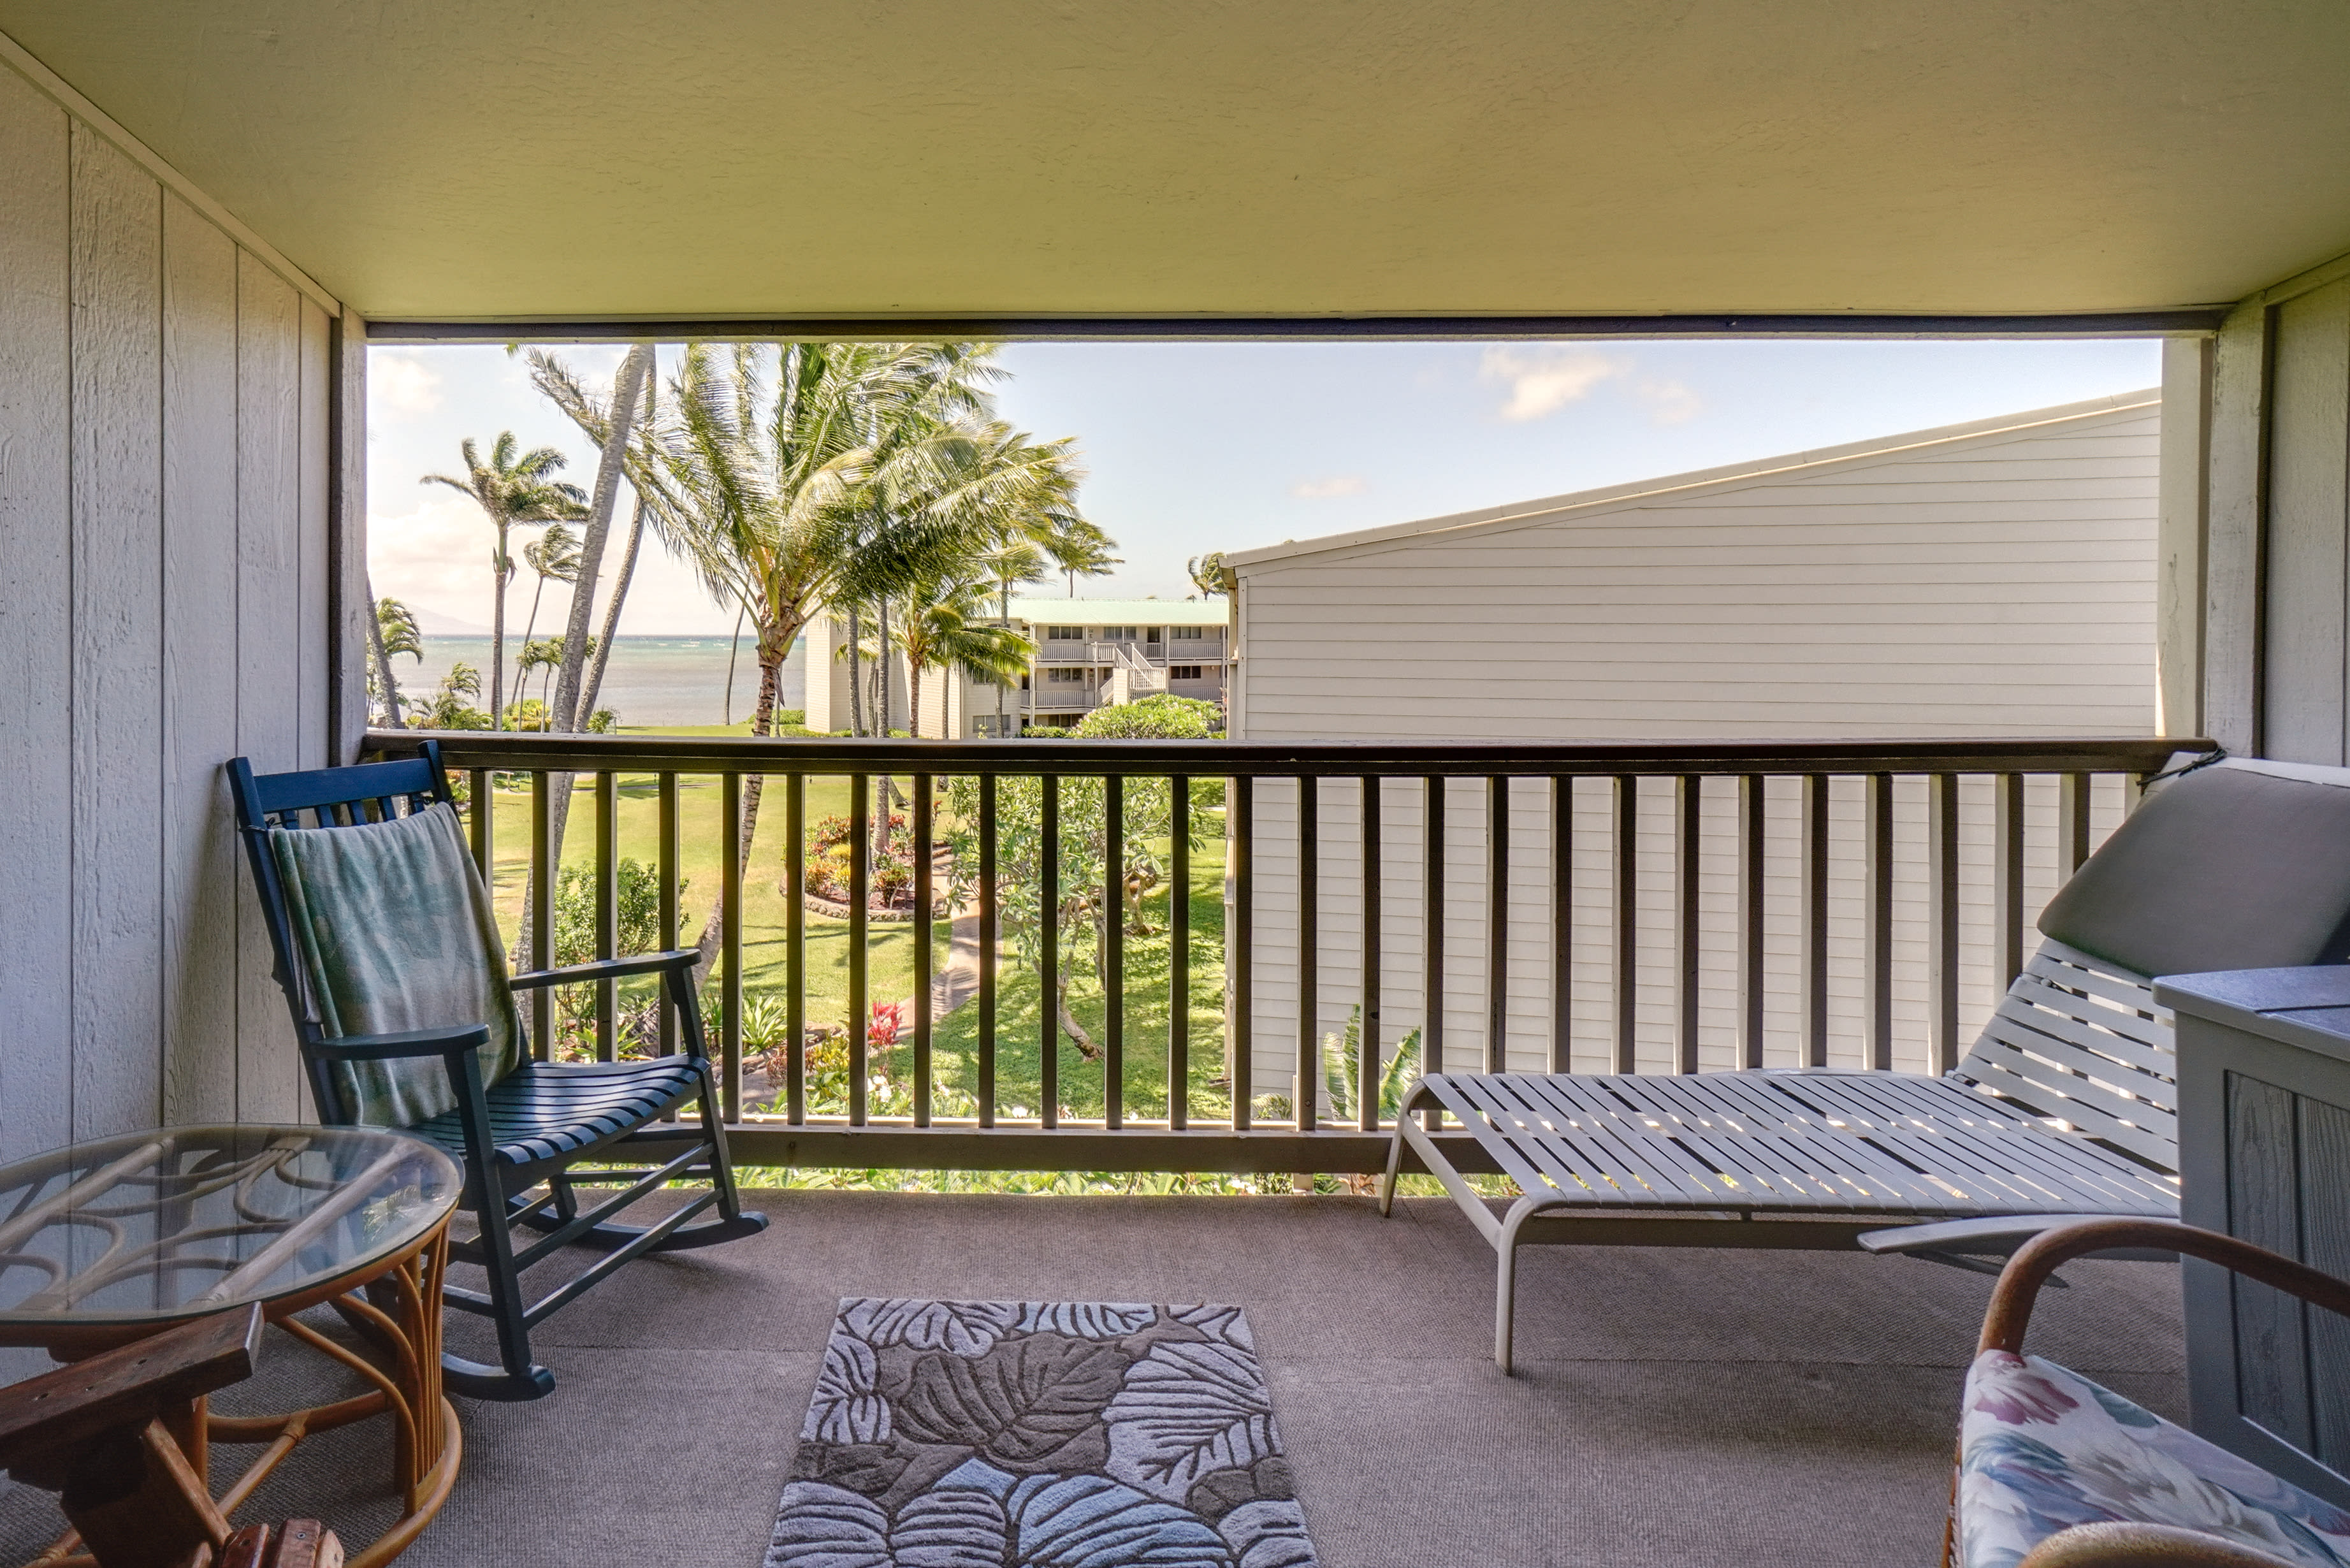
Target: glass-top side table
{"type": "Point", "coordinates": [110, 1241]}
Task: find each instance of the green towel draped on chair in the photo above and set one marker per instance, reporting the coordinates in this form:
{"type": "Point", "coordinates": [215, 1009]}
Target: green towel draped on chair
{"type": "Point", "coordinates": [396, 933]}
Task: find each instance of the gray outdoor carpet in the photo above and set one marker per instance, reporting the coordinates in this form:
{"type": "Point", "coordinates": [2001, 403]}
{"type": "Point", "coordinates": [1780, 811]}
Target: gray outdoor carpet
{"type": "Point", "coordinates": [1080, 1434]}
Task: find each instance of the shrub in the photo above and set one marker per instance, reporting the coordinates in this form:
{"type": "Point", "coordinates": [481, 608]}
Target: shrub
{"type": "Point", "coordinates": [1165, 717]}
{"type": "Point", "coordinates": [636, 930]}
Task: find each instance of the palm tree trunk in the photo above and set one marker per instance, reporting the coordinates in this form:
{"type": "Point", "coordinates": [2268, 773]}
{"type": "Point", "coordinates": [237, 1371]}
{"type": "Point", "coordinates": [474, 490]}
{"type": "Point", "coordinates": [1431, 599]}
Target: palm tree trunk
{"type": "Point", "coordinates": [612, 616]}
{"type": "Point", "coordinates": [529, 624]}
{"type": "Point", "coordinates": [882, 637]}
{"type": "Point", "coordinates": [628, 386]}
{"type": "Point", "coordinates": [500, 570]}
{"type": "Point", "coordinates": [856, 673]}
{"type": "Point", "coordinates": [1003, 620]}
{"type": "Point", "coordinates": [392, 720]}
{"type": "Point", "coordinates": [763, 722]}
{"type": "Point", "coordinates": [881, 796]}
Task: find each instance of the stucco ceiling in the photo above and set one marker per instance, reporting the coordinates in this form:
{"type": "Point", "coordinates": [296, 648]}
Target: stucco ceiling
{"type": "Point", "coordinates": [498, 159]}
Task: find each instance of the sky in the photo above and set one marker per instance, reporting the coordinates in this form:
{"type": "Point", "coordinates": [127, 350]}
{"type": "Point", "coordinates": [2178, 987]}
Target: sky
{"type": "Point", "coordinates": [1191, 448]}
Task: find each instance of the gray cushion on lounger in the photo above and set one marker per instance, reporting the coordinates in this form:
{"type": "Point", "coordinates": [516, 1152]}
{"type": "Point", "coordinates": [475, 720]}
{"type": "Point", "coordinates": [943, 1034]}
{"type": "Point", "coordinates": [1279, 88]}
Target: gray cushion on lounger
{"type": "Point", "coordinates": [2240, 864]}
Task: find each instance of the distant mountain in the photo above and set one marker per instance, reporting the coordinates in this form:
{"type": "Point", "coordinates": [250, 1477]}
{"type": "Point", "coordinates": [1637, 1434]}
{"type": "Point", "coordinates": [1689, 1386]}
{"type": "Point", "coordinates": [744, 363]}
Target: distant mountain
{"type": "Point", "coordinates": [432, 623]}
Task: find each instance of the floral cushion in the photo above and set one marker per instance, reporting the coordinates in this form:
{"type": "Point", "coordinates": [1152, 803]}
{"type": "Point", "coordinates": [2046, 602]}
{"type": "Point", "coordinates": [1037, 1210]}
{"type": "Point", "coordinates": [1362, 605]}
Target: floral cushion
{"type": "Point", "coordinates": [2042, 1449]}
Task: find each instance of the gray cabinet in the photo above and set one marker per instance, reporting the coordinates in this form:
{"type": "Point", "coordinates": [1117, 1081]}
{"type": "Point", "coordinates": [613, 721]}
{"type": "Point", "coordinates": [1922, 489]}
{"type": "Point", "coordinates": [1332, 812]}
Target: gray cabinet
{"type": "Point", "coordinates": [2265, 1152]}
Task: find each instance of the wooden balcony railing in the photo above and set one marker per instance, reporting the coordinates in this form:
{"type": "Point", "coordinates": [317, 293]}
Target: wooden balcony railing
{"type": "Point", "coordinates": [1706, 924]}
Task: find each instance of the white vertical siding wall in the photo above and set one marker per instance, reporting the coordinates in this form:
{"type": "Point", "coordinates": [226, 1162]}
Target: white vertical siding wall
{"type": "Point", "coordinates": [164, 560]}
{"type": "Point", "coordinates": [1999, 583]}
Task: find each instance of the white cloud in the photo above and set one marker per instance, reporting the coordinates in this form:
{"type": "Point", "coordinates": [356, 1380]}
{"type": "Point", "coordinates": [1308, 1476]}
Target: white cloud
{"type": "Point", "coordinates": [1670, 402]}
{"type": "Point", "coordinates": [400, 385]}
{"type": "Point", "coordinates": [1324, 488]}
{"type": "Point", "coordinates": [435, 558]}
{"type": "Point", "coordinates": [1542, 380]}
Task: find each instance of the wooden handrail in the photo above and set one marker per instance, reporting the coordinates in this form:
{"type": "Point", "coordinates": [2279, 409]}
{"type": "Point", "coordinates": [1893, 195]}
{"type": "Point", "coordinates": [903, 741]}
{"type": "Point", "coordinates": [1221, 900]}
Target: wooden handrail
{"type": "Point", "coordinates": [1287, 759]}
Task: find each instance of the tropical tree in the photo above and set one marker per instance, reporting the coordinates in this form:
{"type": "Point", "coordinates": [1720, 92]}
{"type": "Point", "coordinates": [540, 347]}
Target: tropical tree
{"type": "Point", "coordinates": [394, 630]}
{"type": "Point", "coordinates": [945, 627]}
{"type": "Point", "coordinates": [449, 708]}
{"type": "Point", "coordinates": [554, 553]}
{"type": "Point", "coordinates": [544, 654]}
{"type": "Point", "coordinates": [1094, 897]}
{"type": "Point", "coordinates": [1019, 559]}
{"type": "Point", "coordinates": [829, 472]}
{"type": "Point", "coordinates": [512, 488]}
{"type": "Point", "coordinates": [1081, 549]}
{"type": "Point", "coordinates": [1207, 573]}
{"type": "Point", "coordinates": [626, 446]}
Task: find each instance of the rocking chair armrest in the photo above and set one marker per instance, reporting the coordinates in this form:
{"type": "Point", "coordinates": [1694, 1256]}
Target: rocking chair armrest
{"type": "Point", "coordinates": [445, 1041]}
{"type": "Point", "coordinates": [606, 968]}
{"type": "Point", "coordinates": [2010, 1312]}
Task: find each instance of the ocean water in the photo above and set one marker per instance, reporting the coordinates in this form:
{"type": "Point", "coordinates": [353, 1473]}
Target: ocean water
{"type": "Point", "coordinates": [649, 681]}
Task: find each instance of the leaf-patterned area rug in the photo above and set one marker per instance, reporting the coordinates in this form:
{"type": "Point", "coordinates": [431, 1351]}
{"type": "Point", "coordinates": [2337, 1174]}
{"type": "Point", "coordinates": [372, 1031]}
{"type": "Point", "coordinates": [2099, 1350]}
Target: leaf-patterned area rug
{"type": "Point", "coordinates": [1039, 1434]}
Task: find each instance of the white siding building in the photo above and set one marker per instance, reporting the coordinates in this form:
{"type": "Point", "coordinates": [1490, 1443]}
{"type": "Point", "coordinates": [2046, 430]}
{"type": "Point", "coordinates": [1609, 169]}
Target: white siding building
{"type": "Point", "coordinates": [1090, 653]}
{"type": "Point", "coordinates": [1996, 578]}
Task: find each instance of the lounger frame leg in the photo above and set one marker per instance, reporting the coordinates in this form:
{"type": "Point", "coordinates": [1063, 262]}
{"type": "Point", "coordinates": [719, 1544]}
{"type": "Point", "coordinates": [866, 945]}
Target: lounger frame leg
{"type": "Point", "coordinates": [1395, 1169]}
{"type": "Point", "coordinates": [1505, 1281]}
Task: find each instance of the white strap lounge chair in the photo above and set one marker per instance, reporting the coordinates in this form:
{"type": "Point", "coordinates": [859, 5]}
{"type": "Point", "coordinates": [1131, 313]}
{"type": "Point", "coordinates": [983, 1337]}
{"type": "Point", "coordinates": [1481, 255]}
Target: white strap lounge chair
{"type": "Point", "coordinates": [2066, 1107]}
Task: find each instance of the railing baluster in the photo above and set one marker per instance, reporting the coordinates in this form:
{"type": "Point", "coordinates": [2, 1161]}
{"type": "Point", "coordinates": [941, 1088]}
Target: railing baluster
{"type": "Point", "coordinates": [540, 891]}
{"type": "Point", "coordinates": [607, 910]}
{"type": "Point", "coordinates": [1114, 977]}
{"type": "Point", "coordinates": [990, 945]}
{"type": "Point", "coordinates": [1497, 924]}
{"type": "Point", "coordinates": [795, 948]}
{"type": "Point", "coordinates": [1815, 919]}
{"type": "Point", "coordinates": [2072, 823]}
{"type": "Point", "coordinates": [1309, 954]}
{"type": "Point", "coordinates": [1627, 923]}
{"type": "Point", "coordinates": [730, 945]}
{"type": "Point", "coordinates": [1879, 826]}
{"type": "Point", "coordinates": [1752, 844]}
{"type": "Point", "coordinates": [1367, 1042]}
{"type": "Point", "coordinates": [1431, 893]}
{"type": "Point", "coordinates": [1689, 799]}
{"type": "Point", "coordinates": [1942, 920]}
{"type": "Point", "coordinates": [1178, 954]}
{"type": "Point", "coordinates": [483, 808]}
{"type": "Point", "coordinates": [1562, 924]}
{"type": "Point", "coordinates": [861, 896]}
{"type": "Point", "coordinates": [665, 863]}
{"type": "Point", "coordinates": [924, 937]}
{"type": "Point", "coordinates": [2007, 879]}
{"type": "Point", "coordinates": [1240, 951]}
{"type": "Point", "coordinates": [1048, 970]}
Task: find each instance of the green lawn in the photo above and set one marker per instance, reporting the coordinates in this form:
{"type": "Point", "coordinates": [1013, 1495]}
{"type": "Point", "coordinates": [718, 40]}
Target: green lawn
{"type": "Point", "coordinates": [891, 949]}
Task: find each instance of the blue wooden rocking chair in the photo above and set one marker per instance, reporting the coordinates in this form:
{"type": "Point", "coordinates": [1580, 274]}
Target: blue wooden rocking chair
{"type": "Point", "coordinates": [389, 954]}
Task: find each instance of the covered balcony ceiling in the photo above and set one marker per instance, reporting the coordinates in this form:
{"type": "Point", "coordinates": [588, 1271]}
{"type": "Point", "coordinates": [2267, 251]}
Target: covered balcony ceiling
{"type": "Point", "coordinates": [470, 160]}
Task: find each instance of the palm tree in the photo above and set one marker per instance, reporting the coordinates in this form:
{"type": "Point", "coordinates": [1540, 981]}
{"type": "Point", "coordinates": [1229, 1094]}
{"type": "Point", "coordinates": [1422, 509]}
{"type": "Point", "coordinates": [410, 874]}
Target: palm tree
{"type": "Point", "coordinates": [822, 473]}
{"type": "Point", "coordinates": [1081, 549]}
{"type": "Point", "coordinates": [393, 631]}
{"type": "Point", "coordinates": [512, 488]}
{"type": "Point", "coordinates": [1207, 573]}
{"type": "Point", "coordinates": [640, 465]}
{"type": "Point", "coordinates": [1014, 560]}
{"type": "Point", "coordinates": [944, 629]}
{"type": "Point", "coordinates": [554, 553]}
{"type": "Point", "coordinates": [449, 709]}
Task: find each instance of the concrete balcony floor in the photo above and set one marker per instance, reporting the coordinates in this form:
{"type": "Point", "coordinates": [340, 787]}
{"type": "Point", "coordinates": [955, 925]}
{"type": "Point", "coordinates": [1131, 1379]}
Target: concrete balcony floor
{"type": "Point", "coordinates": [1672, 1407]}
